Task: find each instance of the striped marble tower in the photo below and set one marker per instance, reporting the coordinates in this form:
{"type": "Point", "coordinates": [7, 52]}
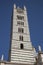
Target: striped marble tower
{"type": "Point", "coordinates": [21, 50]}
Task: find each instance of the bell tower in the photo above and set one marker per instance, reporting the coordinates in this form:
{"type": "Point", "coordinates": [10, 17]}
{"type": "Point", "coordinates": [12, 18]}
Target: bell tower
{"type": "Point", "coordinates": [21, 50]}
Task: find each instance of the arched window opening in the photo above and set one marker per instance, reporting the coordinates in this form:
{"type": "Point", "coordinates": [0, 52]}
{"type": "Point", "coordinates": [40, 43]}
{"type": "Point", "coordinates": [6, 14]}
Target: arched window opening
{"type": "Point", "coordinates": [21, 46]}
{"type": "Point", "coordinates": [21, 38]}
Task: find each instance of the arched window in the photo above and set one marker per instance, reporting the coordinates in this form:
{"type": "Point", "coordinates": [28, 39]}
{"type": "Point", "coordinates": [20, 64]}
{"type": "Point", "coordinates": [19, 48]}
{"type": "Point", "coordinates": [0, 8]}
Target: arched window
{"type": "Point", "coordinates": [21, 46]}
{"type": "Point", "coordinates": [21, 38]}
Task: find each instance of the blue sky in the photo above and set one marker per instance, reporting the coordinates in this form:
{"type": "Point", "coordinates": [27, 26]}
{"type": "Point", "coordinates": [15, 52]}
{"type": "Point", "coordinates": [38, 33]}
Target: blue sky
{"type": "Point", "coordinates": [35, 19]}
